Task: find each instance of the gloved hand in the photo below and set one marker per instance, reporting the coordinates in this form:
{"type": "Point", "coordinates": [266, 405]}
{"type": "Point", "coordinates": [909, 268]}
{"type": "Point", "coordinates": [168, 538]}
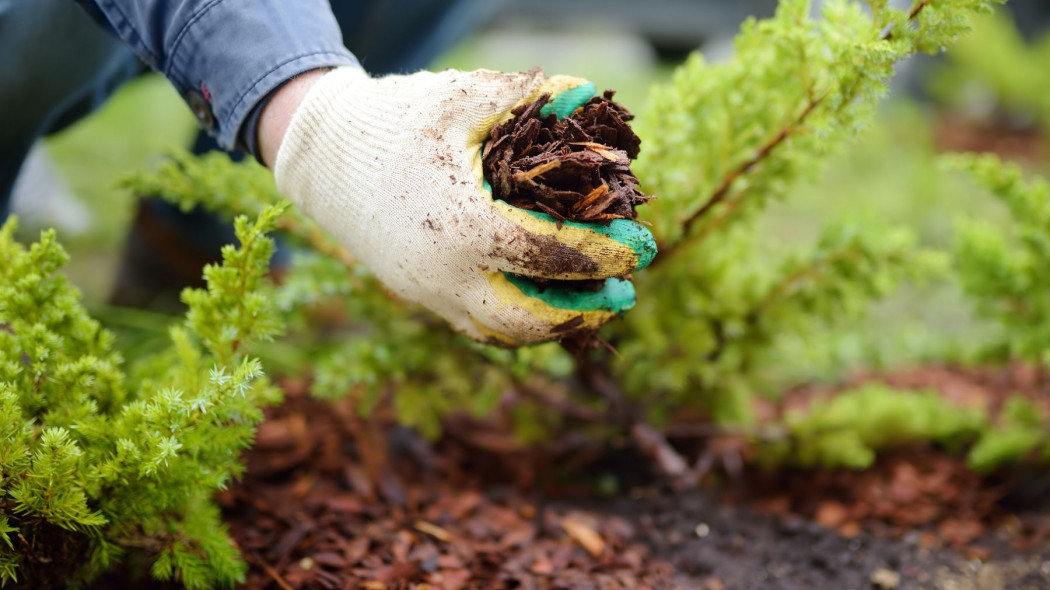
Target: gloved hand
{"type": "Point", "coordinates": [391, 167]}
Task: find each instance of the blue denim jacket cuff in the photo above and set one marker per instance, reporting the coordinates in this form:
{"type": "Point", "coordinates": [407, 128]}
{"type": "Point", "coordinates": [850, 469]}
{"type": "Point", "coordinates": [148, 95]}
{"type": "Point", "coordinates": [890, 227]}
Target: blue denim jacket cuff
{"type": "Point", "coordinates": [248, 138]}
{"type": "Point", "coordinates": [231, 54]}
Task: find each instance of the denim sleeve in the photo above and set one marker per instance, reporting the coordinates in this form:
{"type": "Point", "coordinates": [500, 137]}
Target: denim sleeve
{"type": "Point", "coordinates": [224, 56]}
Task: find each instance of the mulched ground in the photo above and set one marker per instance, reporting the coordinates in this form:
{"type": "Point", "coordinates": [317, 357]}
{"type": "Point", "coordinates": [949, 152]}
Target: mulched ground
{"type": "Point", "coordinates": [315, 511]}
{"type": "Point", "coordinates": [920, 491]}
{"type": "Point", "coordinates": [1024, 143]}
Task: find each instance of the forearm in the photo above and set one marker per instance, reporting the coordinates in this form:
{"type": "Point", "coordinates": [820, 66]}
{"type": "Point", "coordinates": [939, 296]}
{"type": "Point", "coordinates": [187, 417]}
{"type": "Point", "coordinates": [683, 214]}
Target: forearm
{"type": "Point", "coordinates": [277, 114]}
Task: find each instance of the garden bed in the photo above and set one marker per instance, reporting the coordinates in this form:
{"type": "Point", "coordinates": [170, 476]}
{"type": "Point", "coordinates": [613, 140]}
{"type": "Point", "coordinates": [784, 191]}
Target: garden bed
{"type": "Point", "coordinates": [330, 501]}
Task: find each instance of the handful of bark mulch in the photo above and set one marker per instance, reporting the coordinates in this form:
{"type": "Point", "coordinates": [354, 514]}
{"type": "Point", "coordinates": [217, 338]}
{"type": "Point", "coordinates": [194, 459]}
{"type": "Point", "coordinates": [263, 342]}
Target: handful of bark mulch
{"type": "Point", "coordinates": [575, 169]}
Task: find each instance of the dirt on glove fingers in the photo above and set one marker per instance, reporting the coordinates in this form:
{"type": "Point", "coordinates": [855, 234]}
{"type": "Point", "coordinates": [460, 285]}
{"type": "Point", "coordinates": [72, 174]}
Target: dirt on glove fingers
{"type": "Point", "coordinates": [573, 169]}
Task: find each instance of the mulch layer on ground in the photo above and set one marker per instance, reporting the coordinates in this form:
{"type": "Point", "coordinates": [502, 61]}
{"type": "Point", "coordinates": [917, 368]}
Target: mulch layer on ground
{"type": "Point", "coordinates": [921, 491]}
{"type": "Point", "coordinates": [957, 133]}
{"type": "Point", "coordinates": [316, 512]}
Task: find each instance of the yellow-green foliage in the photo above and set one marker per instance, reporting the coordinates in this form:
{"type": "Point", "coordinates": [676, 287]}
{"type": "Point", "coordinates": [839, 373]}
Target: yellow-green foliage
{"type": "Point", "coordinates": [848, 429]}
{"type": "Point", "coordinates": [129, 470]}
{"type": "Point", "coordinates": [721, 141]}
{"type": "Point", "coordinates": [852, 427]}
{"type": "Point", "coordinates": [795, 89]}
{"type": "Point", "coordinates": [1022, 434]}
{"type": "Point", "coordinates": [1005, 272]}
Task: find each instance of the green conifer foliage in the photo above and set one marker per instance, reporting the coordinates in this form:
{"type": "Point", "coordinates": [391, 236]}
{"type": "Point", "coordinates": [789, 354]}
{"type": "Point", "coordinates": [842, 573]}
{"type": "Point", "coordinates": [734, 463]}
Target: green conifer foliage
{"type": "Point", "coordinates": [848, 429]}
{"type": "Point", "coordinates": [121, 473]}
{"type": "Point", "coordinates": [1005, 273]}
{"type": "Point", "coordinates": [720, 143]}
{"type": "Point", "coordinates": [851, 428]}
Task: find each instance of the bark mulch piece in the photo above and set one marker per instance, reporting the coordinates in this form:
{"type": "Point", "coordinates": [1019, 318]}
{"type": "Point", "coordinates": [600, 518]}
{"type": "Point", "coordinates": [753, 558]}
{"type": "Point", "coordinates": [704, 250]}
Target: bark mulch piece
{"type": "Point", "coordinates": [577, 168]}
{"type": "Point", "coordinates": [573, 169]}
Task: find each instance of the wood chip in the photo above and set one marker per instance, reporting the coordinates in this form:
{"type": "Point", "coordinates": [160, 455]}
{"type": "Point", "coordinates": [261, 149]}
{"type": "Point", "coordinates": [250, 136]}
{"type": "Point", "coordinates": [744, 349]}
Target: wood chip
{"type": "Point", "coordinates": [538, 170]}
{"type": "Point", "coordinates": [583, 534]}
{"type": "Point", "coordinates": [433, 530]}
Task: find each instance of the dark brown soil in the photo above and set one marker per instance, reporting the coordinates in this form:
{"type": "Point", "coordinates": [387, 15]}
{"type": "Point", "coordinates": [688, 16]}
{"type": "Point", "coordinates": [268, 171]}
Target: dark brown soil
{"type": "Point", "coordinates": [48, 556]}
{"type": "Point", "coordinates": [576, 168]}
{"type": "Point", "coordinates": [714, 546]}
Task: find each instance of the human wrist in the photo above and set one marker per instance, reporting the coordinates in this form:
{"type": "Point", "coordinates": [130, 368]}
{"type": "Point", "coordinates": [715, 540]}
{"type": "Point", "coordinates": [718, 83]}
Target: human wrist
{"type": "Point", "coordinates": [277, 113]}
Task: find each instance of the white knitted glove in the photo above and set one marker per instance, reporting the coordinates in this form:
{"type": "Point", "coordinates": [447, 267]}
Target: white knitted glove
{"type": "Point", "coordinates": [391, 167]}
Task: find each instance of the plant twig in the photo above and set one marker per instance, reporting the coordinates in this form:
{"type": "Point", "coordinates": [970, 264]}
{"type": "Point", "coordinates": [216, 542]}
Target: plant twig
{"type": "Point", "coordinates": [912, 15]}
{"type": "Point", "coordinates": [565, 407]}
{"type": "Point", "coordinates": [763, 152]}
{"type": "Point", "coordinates": [668, 461]}
{"type": "Point", "coordinates": [276, 577]}
{"type": "Point", "coordinates": [316, 238]}
{"type": "Point", "coordinates": [599, 382]}
{"type": "Point", "coordinates": [760, 432]}
{"type": "Point", "coordinates": [802, 274]}
{"type": "Point", "coordinates": [723, 189]}
{"type": "Point", "coordinates": [915, 10]}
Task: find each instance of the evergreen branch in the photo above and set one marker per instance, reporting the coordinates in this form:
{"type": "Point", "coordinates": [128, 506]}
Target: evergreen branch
{"type": "Point", "coordinates": [763, 152]}
{"type": "Point", "coordinates": [915, 10]}
{"type": "Point", "coordinates": [722, 192]}
{"type": "Point", "coordinates": [912, 15]}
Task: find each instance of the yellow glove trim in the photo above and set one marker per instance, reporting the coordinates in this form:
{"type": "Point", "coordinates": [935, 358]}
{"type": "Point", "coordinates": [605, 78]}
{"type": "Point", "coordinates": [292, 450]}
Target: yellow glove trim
{"type": "Point", "coordinates": [510, 295]}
